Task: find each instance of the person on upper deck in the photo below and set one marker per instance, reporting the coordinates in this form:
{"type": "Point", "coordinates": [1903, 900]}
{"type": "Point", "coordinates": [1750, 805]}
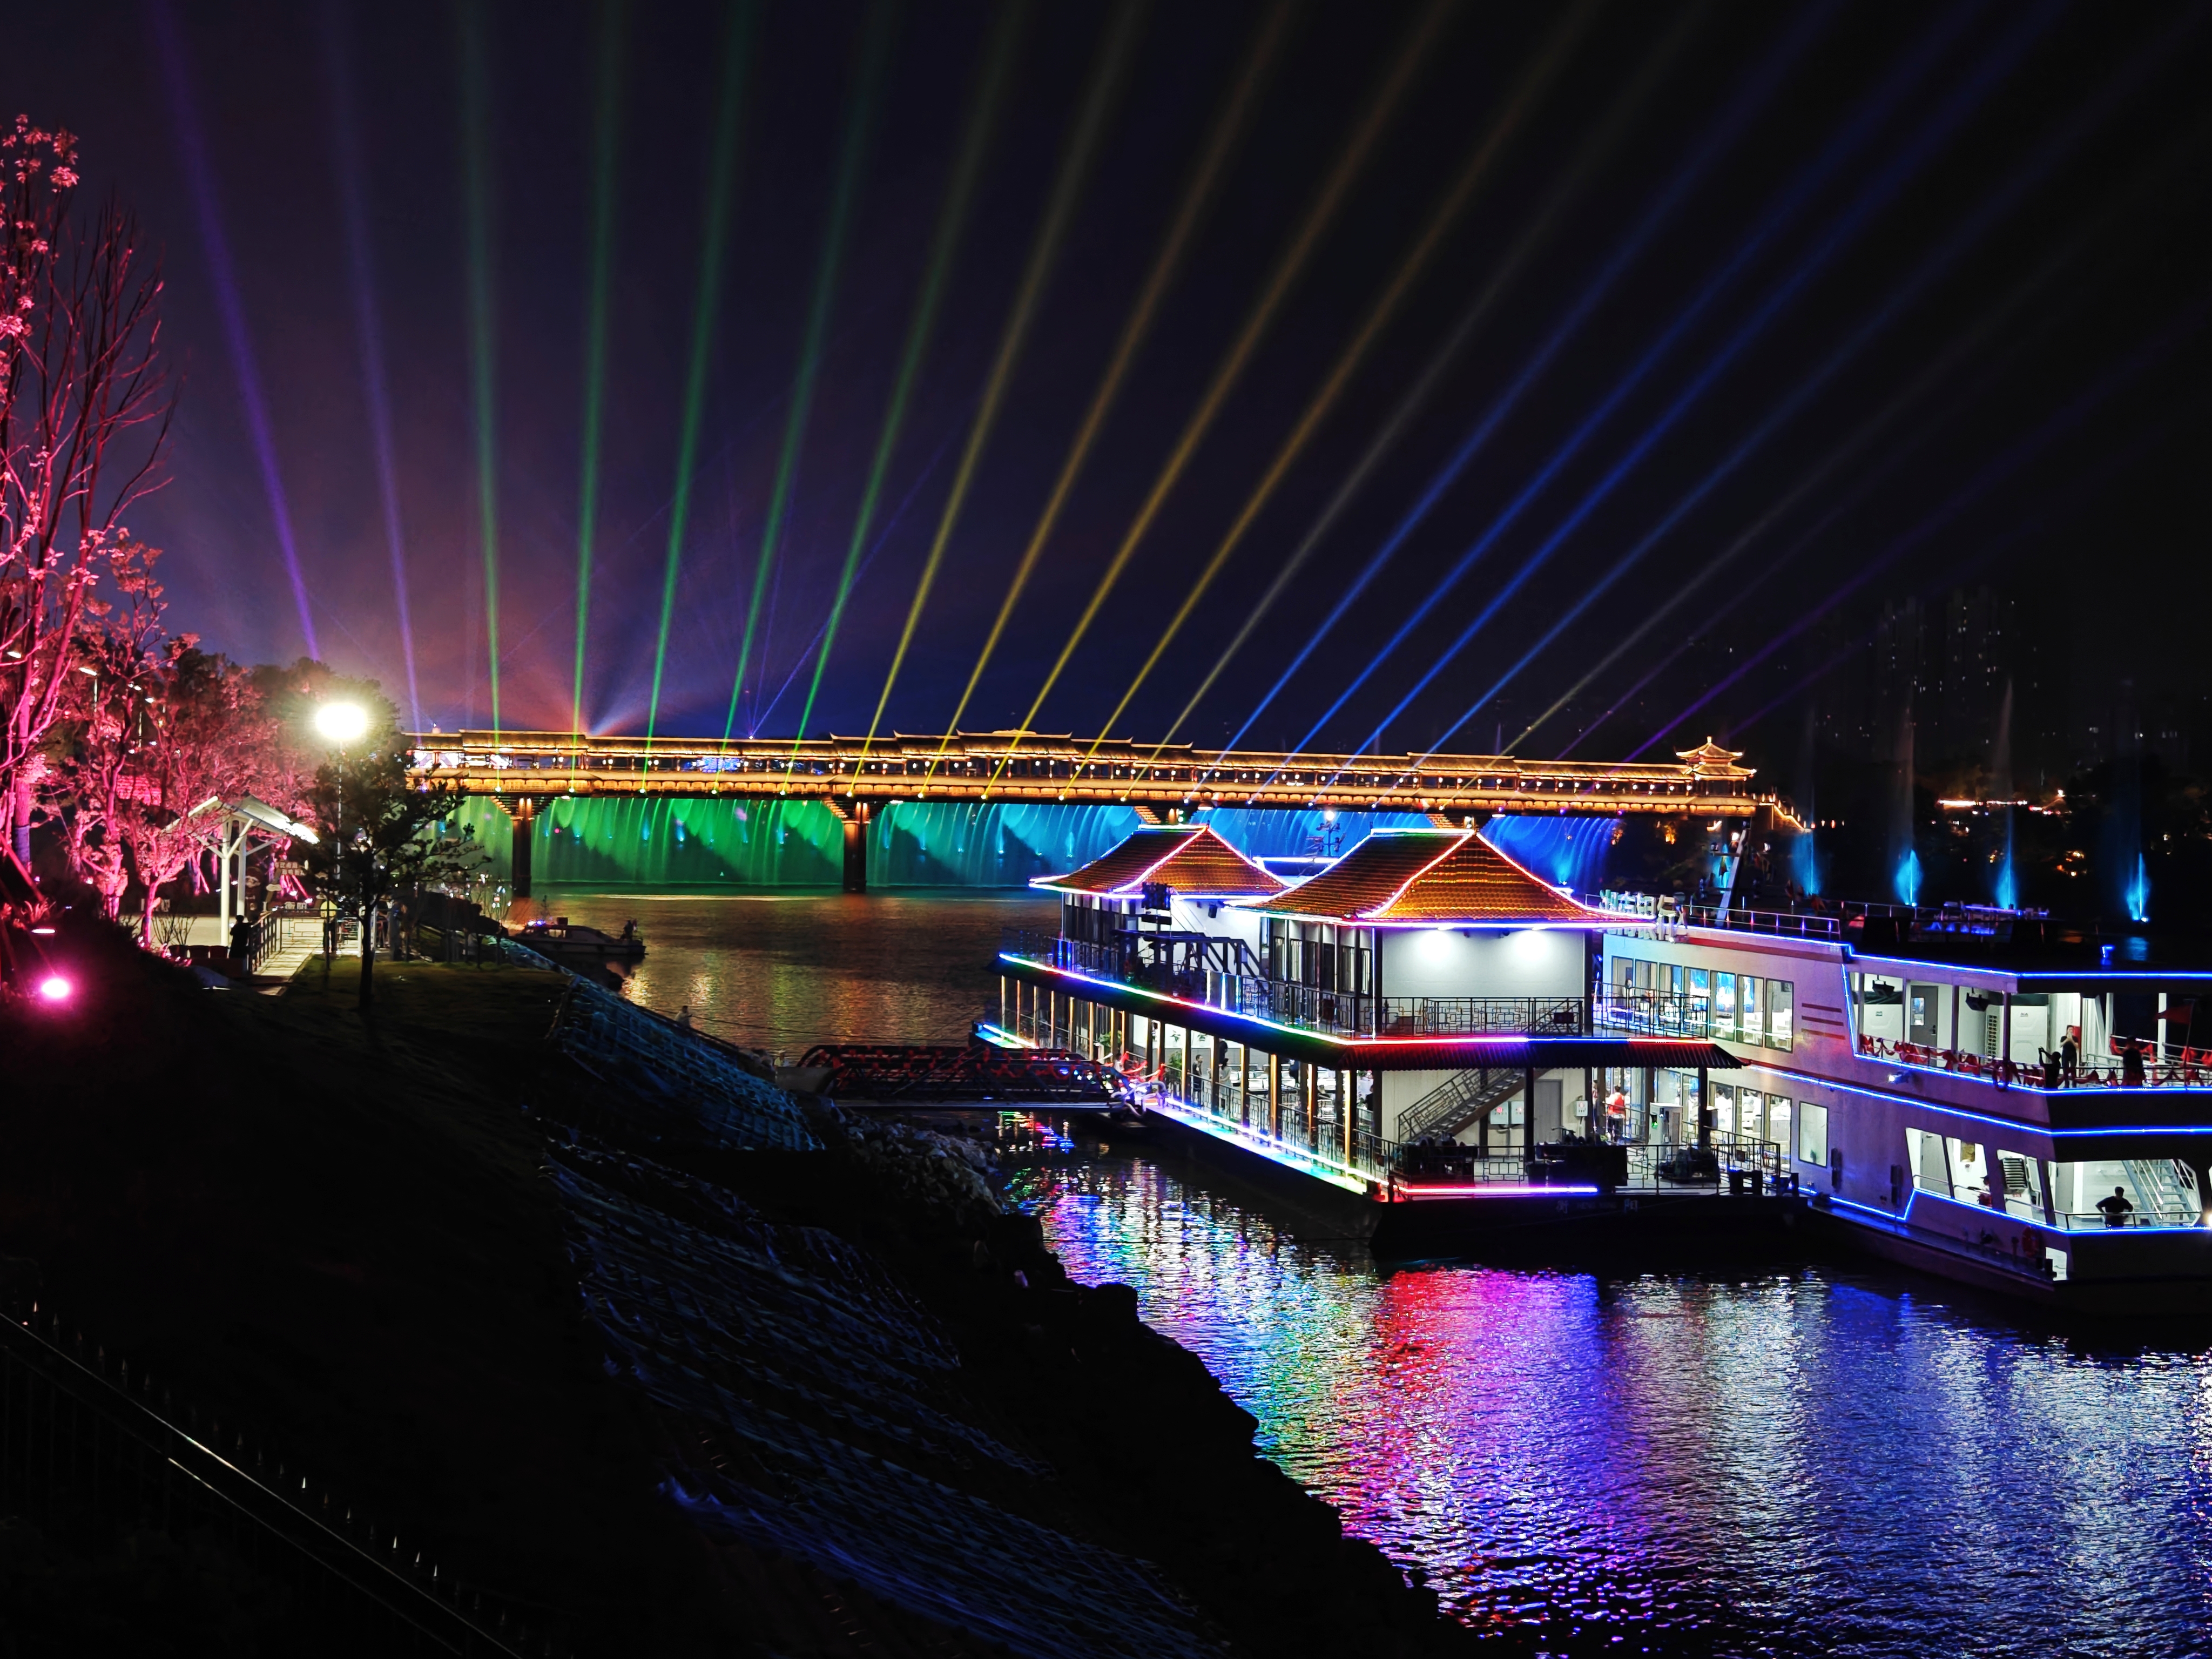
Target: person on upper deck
{"type": "Point", "coordinates": [2117, 1208]}
{"type": "Point", "coordinates": [2131, 1065]}
{"type": "Point", "coordinates": [2069, 1057]}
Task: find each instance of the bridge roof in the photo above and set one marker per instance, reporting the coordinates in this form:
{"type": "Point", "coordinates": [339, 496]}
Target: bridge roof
{"type": "Point", "coordinates": [1184, 858]}
{"type": "Point", "coordinates": [1429, 877]}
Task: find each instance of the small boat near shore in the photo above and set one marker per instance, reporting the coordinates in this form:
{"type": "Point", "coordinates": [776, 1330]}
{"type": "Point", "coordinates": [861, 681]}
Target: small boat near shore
{"type": "Point", "coordinates": [570, 943]}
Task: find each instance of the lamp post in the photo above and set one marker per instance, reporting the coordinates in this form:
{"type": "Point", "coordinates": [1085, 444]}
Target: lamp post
{"type": "Point", "coordinates": [342, 723]}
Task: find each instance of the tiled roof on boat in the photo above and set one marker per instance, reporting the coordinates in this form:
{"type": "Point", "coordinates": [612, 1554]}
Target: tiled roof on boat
{"type": "Point", "coordinates": [1370, 875]}
{"type": "Point", "coordinates": [1434, 876]}
{"type": "Point", "coordinates": [1184, 858]}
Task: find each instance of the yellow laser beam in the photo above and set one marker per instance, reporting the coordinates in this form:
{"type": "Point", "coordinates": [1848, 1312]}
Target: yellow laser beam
{"type": "Point", "coordinates": [1533, 84]}
{"type": "Point", "coordinates": [1596, 147]}
{"type": "Point", "coordinates": [1288, 269]}
{"type": "Point", "coordinates": [1197, 193]}
{"type": "Point", "coordinates": [1044, 250]}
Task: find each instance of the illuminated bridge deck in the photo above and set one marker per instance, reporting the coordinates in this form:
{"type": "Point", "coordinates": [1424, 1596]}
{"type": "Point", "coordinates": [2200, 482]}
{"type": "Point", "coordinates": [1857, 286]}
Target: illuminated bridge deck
{"type": "Point", "coordinates": [1006, 766]}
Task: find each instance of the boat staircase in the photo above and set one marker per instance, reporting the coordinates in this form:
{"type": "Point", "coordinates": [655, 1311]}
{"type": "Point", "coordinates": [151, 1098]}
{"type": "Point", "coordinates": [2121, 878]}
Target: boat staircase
{"type": "Point", "coordinates": [2168, 1184]}
{"type": "Point", "coordinates": [1461, 1099]}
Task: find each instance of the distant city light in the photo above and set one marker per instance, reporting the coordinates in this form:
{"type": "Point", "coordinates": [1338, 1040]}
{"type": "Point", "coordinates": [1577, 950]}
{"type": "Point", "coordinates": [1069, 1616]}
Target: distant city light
{"type": "Point", "coordinates": [341, 722]}
{"type": "Point", "coordinates": [55, 988]}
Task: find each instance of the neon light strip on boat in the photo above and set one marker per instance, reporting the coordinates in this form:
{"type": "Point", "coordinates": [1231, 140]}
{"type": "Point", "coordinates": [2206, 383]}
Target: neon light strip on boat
{"type": "Point", "coordinates": [1499, 1190]}
{"type": "Point", "coordinates": [1814, 1080]}
{"type": "Point", "coordinates": [1324, 1037]}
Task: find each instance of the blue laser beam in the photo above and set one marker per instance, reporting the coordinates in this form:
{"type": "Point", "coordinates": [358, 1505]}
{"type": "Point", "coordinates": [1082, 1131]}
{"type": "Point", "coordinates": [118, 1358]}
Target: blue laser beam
{"type": "Point", "coordinates": [1724, 132]}
{"type": "Point", "coordinates": [1969, 231]}
{"type": "Point", "coordinates": [2094, 234]}
{"type": "Point", "coordinates": [1980, 484]}
{"type": "Point", "coordinates": [1855, 134]}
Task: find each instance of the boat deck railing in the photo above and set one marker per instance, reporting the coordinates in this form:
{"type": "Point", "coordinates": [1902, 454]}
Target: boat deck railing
{"type": "Point", "coordinates": [1348, 1013]}
{"type": "Point", "coordinates": [2191, 1068]}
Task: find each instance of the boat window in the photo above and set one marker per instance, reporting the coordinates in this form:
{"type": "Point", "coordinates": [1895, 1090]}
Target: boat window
{"type": "Point", "coordinates": [2157, 1192]}
{"type": "Point", "coordinates": [1781, 1011]}
{"type": "Point", "coordinates": [1676, 983]}
{"type": "Point", "coordinates": [1779, 1114]}
{"type": "Point", "coordinates": [1750, 1114]}
{"type": "Point", "coordinates": [1812, 1131]}
{"type": "Point", "coordinates": [1724, 1108]}
{"type": "Point", "coordinates": [1701, 995]}
{"type": "Point", "coordinates": [1724, 1004]}
{"type": "Point", "coordinates": [1754, 1015]}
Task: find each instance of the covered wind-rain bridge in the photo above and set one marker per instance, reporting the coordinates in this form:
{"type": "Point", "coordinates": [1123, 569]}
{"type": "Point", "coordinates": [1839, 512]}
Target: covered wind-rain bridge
{"type": "Point", "coordinates": [853, 776]}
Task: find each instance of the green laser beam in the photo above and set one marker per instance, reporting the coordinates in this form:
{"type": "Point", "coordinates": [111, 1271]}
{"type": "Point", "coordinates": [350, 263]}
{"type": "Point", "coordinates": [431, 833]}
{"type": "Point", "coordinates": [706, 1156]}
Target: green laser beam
{"type": "Point", "coordinates": [1044, 251]}
{"type": "Point", "coordinates": [476, 195]}
{"type": "Point", "coordinates": [606, 123]}
{"type": "Point", "coordinates": [1197, 193]}
{"type": "Point", "coordinates": [721, 186]}
{"type": "Point", "coordinates": [950, 219]}
{"type": "Point", "coordinates": [1320, 214]}
{"type": "Point", "coordinates": [875, 53]}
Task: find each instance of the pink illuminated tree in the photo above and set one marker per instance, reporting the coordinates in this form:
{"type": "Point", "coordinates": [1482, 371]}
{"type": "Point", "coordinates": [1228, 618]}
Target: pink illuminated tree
{"type": "Point", "coordinates": [85, 408]}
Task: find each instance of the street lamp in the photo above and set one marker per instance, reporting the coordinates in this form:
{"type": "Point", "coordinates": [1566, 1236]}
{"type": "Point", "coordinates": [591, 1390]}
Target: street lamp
{"type": "Point", "coordinates": [342, 723]}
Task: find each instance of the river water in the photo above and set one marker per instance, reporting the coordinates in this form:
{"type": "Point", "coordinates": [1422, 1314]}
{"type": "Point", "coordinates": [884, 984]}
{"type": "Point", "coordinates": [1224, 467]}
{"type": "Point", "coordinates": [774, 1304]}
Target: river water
{"type": "Point", "coordinates": [1811, 1462]}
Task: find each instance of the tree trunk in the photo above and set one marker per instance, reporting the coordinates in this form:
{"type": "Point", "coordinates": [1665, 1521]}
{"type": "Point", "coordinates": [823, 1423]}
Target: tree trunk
{"type": "Point", "coordinates": [367, 957]}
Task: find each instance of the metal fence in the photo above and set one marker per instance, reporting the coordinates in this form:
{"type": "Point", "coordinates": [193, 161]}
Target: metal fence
{"type": "Point", "coordinates": [92, 1455]}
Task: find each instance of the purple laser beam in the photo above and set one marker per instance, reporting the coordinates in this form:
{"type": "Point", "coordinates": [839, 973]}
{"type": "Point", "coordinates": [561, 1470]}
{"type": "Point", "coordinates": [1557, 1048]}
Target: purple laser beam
{"type": "Point", "coordinates": [176, 72]}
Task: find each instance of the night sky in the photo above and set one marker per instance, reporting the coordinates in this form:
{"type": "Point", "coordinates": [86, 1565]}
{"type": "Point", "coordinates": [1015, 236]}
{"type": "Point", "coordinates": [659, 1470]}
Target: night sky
{"type": "Point", "coordinates": [1877, 303]}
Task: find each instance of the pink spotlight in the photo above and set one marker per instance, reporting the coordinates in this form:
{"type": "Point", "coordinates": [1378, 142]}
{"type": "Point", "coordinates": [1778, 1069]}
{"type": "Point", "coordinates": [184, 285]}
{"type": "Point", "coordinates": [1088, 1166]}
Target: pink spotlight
{"type": "Point", "coordinates": [55, 988]}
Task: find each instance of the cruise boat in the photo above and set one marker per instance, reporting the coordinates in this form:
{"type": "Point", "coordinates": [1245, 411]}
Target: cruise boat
{"type": "Point", "coordinates": [1912, 1068]}
{"type": "Point", "coordinates": [1480, 1058]}
{"type": "Point", "coordinates": [571, 942]}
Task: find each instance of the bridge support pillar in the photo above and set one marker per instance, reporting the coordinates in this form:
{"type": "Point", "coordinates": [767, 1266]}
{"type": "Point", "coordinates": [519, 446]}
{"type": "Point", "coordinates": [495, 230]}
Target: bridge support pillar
{"type": "Point", "coordinates": [522, 812]}
{"type": "Point", "coordinates": [855, 819]}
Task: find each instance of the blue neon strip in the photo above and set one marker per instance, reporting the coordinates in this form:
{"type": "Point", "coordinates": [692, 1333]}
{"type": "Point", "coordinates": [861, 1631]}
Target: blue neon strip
{"type": "Point", "coordinates": [2037, 1221]}
{"type": "Point", "coordinates": [1976, 1117]}
{"type": "Point", "coordinates": [1909, 965]}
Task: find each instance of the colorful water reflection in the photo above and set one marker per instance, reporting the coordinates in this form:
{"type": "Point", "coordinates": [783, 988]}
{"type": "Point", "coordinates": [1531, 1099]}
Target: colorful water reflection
{"type": "Point", "coordinates": [1799, 1462]}
{"type": "Point", "coordinates": [783, 971]}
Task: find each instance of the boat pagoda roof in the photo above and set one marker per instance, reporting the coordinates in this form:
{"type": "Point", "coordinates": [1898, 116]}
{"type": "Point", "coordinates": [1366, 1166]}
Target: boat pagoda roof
{"type": "Point", "coordinates": [1187, 858]}
{"type": "Point", "coordinates": [1431, 877]}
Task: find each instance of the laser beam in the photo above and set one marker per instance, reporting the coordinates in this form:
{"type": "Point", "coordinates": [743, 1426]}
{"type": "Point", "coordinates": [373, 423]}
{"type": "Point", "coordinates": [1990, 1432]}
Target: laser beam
{"type": "Point", "coordinates": [1724, 132]}
{"type": "Point", "coordinates": [1969, 231]}
{"type": "Point", "coordinates": [1320, 214]}
{"type": "Point", "coordinates": [1076, 157]}
{"type": "Point", "coordinates": [1198, 193]}
{"type": "Point", "coordinates": [606, 142]}
{"type": "Point", "coordinates": [1993, 473]}
{"type": "Point", "coordinates": [1855, 134]}
{"type": "Point", "coordinates": [476, 145]}
{"type": "Point", "coordinates": [951, 218]}
{"type": "Point", "coordinates": [1533, 81]}
{"type": "Point", "coordinates": [1621, 112]}
{"type": "Point", "coordinates": [176, 73]}
{"type": "Point", "coordinates": [352, 171]}
{"type": "Point", "coordinates": [875, 52]}
{"type": "Point", "coordinates": [1987, 321]}
{"type": "Point", "coordinates": [706, 304]}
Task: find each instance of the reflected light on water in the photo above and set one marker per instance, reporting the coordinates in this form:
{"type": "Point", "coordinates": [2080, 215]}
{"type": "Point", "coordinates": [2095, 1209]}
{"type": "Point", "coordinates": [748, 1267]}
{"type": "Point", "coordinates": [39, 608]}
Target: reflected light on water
{"type": "Point", "coordinates": [1793, 1462]}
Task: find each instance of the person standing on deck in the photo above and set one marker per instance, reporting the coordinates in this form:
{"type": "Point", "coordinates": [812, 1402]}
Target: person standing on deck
{"type": "Point", "coordinates": [2069, 1057]}
{"type": "Point", "coordinates": [2117, 1208]}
